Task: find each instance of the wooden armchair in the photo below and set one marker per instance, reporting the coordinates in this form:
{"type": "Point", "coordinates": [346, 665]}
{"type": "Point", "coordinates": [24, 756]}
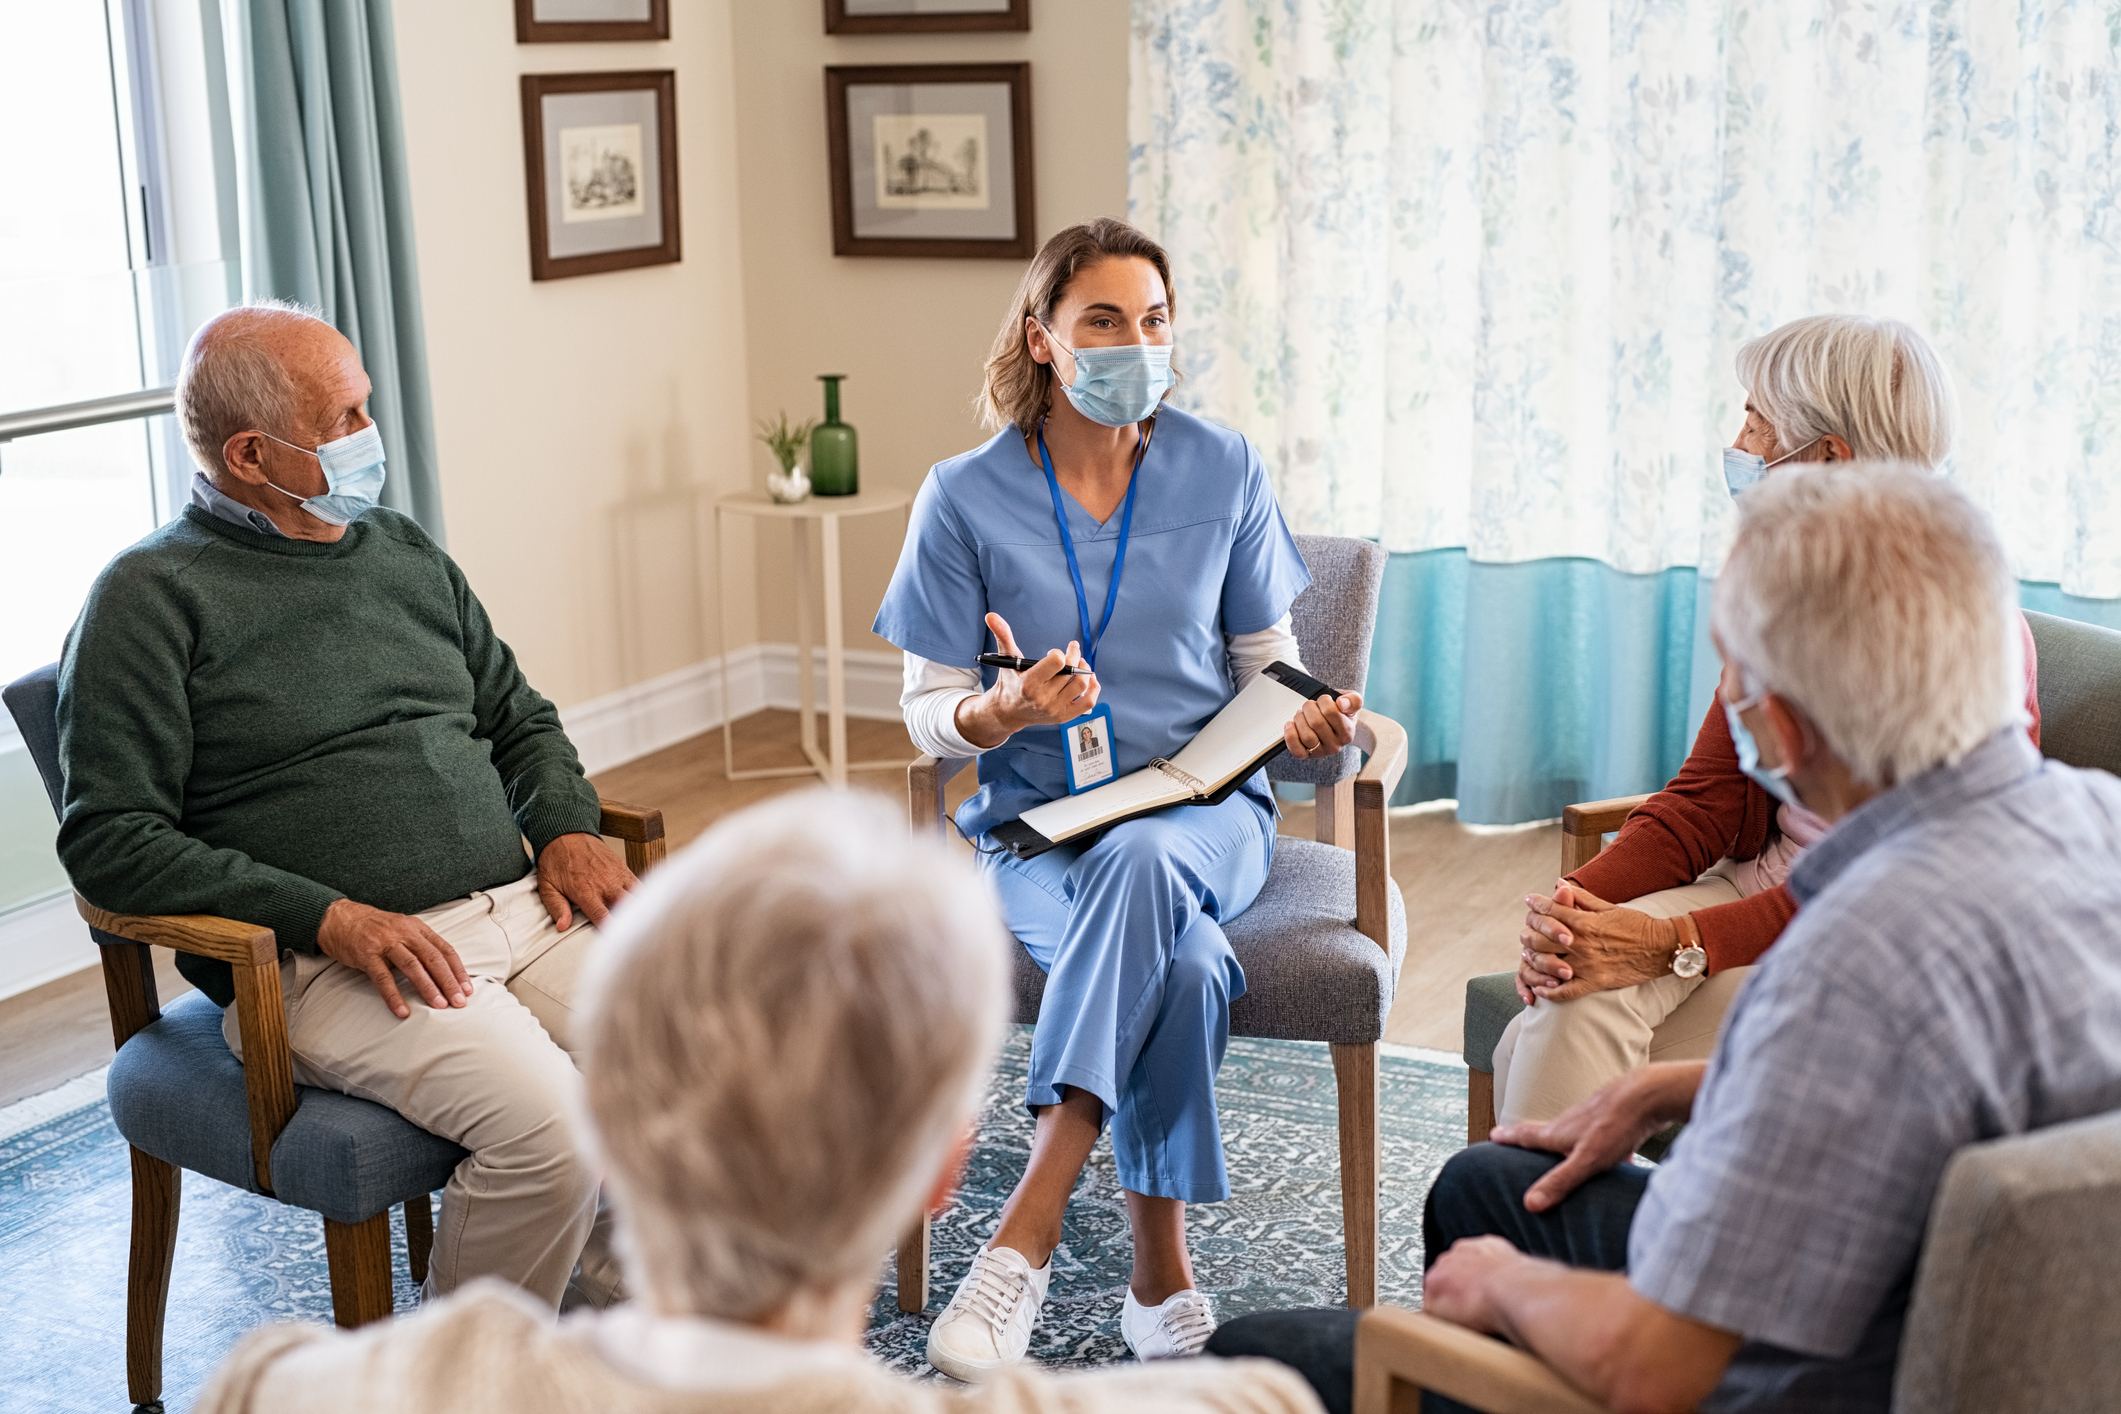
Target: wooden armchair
{"type": "Point", "coordinates": [1491, 1000]}
{"type": "Point", "coordinates": [183, 1101]}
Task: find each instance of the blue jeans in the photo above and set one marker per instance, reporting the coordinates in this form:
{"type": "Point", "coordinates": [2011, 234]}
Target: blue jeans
{"type": "Point", "coordinates": [1479, 1193]}
{"type": "Point", "coordinates": [1139, 979]}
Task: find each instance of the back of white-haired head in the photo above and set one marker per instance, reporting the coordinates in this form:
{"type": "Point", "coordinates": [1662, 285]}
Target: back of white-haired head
{"type": "Point", "coordinates": [1876, 598]}
{"type": "Point", "coordinates": [788, 1027]}
{"type": "Point", "coordinates": [1874, 383]}
{"type": "Point", "coordinates": [231, 382]}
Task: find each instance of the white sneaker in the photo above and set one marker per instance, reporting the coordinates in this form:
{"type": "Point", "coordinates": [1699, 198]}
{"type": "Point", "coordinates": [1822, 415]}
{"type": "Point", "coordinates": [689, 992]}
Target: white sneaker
{"type": "Point", "coordinates": [1181, 1326]}
{"type": "Point", "coordinates": [988, 1324]}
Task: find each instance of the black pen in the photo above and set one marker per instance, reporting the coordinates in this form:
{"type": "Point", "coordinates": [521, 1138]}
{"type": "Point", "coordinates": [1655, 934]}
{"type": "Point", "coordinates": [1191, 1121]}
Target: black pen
{"type": "Point", "coordinates": [1020, 665]}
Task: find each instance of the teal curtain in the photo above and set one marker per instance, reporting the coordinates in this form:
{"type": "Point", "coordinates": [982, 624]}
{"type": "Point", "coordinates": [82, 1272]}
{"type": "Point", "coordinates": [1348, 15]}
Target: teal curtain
{"type": "Point", "coordinates": [1528, 687]}
{"type": "Point", "coordinates": [329, 218]}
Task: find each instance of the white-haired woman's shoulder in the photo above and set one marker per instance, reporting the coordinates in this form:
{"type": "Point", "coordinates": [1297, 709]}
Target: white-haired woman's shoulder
{"type": "Point", "coordinates": [1199, 1386]}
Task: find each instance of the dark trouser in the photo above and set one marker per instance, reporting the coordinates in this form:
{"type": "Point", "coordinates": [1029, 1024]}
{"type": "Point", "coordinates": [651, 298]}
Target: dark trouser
{"type": "Point", "coordinates": [1479, 1193]}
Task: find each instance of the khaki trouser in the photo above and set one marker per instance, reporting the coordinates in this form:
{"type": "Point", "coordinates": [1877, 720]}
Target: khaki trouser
{"type": "Point", "coordinates": [1557, 1053]}
{"type": "Point", "coordinates": [494, 1076]}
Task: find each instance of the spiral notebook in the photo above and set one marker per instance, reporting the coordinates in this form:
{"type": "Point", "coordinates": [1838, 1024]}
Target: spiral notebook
{"type": "Point", "coordinates": [1237, 741]}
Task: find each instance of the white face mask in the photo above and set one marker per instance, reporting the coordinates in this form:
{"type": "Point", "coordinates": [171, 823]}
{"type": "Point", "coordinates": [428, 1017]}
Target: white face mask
{"type": "Point", "coordinates": [353, 475]}
{"type": "Point", "coordinates": [1741, 469]}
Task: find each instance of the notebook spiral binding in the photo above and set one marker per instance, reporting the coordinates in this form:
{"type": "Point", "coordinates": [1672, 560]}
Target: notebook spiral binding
{"type": "Point", "coordinates": [1199, 786]}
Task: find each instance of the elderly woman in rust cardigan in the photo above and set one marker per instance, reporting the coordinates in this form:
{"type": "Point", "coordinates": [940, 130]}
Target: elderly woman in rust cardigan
{"type": "Point", "coordinates": [1636, 955]}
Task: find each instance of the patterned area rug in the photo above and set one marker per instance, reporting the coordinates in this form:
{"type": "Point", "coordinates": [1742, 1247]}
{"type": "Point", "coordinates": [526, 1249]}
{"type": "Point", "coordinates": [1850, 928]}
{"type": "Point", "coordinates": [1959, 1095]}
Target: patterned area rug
{"type": "Point", "coordinates": [65, 1211]}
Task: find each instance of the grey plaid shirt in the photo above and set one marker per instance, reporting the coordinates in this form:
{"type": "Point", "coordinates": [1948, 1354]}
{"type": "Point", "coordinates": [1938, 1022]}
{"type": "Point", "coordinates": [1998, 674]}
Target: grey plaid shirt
{"type": "Point", "coordinates": [1953, 974]}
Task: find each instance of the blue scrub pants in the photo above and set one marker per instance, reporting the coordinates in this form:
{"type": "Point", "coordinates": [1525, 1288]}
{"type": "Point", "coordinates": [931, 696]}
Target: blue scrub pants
{"type": "Point", "coordinates": [1139, 979]}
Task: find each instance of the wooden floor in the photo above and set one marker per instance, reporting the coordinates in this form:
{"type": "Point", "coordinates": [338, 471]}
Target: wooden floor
{"type": "Point", "coordinates": [1463, 887]}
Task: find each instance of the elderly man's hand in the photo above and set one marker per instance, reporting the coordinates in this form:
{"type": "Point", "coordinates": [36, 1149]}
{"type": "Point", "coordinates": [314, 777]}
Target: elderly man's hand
{"type": "Point", "coordinates": [578, 869]}
{"type": "Point", "coordinates": [1322, 728]}
{"type": "Point", "coordinates": [1575, 943]}
{"type": "Point", "coordinates": [1594, 1135]}
{"type": "Point", "coordinates": [1459, 1286]}
{"type": "Point", "coordinates": [374, 942]}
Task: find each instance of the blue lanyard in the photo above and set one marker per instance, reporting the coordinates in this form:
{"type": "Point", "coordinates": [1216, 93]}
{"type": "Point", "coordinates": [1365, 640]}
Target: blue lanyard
{"type": "Point", "coordinates": [1119, 557]}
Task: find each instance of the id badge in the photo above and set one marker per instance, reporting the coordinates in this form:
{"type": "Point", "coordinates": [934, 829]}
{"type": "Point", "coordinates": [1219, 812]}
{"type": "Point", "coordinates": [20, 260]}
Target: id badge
{"type": "Point", "coordinates": [1089, 743]}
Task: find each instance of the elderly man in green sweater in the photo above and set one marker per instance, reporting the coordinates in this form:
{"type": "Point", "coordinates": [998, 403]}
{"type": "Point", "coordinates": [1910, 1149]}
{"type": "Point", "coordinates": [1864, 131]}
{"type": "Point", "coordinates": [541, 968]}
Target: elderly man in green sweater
{"type": "Point", "coordinates": [287, 706]}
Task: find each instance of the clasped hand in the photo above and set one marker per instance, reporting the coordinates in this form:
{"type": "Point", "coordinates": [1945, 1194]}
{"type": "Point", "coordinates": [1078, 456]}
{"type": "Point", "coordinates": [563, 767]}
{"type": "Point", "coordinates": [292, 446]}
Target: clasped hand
{"type": "Point", "coordinates": [573, 869]}
{"type": "Point", "coordinates": [1575, 943]}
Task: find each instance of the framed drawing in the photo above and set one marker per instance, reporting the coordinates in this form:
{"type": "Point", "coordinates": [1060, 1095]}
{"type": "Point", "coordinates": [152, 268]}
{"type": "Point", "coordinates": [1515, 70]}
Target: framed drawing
{"type": "Point", "coordinates": [577, 21]}
{"type": "Point", "coordinates": [600, 154]}
{"type": "Point", "coordinates": [931, 160]}
{"type": "Point", "coordinates": [924, 16]}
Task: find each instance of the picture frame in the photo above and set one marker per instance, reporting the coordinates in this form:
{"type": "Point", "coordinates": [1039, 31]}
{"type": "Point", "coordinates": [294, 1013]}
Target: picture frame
{"type": "Point", "coordinates": [600, 157]}
{"type": "Point", "coordinates": [925, 16]}
{"type": "Point", "coordinates": [931, 160]}
{"type": "Point", "coordinates": [590, 21]}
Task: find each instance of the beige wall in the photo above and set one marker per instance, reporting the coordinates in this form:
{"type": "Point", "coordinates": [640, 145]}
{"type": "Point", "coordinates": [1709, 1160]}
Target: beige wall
{"type": "Point", "coordinates": [580, 420]}
{"type": "Point", "coordinates": [910, 334]}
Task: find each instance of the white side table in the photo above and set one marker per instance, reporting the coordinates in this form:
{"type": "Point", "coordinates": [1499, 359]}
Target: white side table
{"type": "Point", "coordinates": [831, 764]}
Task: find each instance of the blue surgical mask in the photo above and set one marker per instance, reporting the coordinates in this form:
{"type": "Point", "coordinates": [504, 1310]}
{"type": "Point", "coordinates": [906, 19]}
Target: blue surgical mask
{"type": "Point", "coordinates": [1775, 783]}
{"type": "Point", "coordinates": [1741, 469]}
{"type": "Point", "coordinates": [353, 476]}
{"type": "Point", "coordinates": [1118, 386]}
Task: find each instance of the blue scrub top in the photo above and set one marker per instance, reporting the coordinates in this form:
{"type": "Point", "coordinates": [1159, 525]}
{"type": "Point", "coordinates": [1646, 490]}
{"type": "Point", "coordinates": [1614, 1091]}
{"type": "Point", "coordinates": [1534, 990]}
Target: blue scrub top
{"type": "Point", "coordinates": [1209, 556]}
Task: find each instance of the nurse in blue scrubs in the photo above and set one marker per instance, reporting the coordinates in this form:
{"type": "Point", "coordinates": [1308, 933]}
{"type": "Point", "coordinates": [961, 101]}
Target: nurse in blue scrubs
{"type": "Point", "coordinates": [1141, 550]}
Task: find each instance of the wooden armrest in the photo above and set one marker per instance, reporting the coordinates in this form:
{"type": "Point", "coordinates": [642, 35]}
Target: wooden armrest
{"type": "Point", "coordinates": [1397, 1351]}
{"type": "Point", "coordinates": [1385, 742]}
{"type": "Point", "coordinates": [641, 829]}
{"type": "Point", "coordinates": [201, 934]}
{"type": "Point", "coordinates": [1599, 817]}
{"type": "Point", "coordinates": [926, 780]}
{"type": "Point", "coordinates": [253, 956]}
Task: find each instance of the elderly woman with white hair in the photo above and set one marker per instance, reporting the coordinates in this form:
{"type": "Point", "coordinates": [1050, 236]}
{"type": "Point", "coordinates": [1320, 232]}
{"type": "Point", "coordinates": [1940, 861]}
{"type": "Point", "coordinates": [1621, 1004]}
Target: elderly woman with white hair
{"type": "Point", "coordinates": [1637, 955]}
{"type": "Point", "coordinates": [787, 1032]}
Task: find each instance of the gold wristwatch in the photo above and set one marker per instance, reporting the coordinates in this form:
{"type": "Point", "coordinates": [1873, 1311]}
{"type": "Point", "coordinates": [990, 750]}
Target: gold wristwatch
{"type": "Point", "coordinates": [1692, 959]}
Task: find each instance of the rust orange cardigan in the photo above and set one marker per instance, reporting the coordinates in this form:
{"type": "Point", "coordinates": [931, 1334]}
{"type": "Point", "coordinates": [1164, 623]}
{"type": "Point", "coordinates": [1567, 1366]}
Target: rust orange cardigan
{"type": "Point", "coordinates": [1711, 811]}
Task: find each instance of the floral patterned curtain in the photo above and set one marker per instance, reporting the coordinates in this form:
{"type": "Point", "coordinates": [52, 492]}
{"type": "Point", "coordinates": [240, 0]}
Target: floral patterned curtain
{"type": "Point", "coordinates": [1473, 274]}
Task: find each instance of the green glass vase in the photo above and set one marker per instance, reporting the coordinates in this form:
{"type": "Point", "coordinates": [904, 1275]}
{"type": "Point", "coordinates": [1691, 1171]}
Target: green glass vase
{"type": "Point", "coordinates": [833, 464]}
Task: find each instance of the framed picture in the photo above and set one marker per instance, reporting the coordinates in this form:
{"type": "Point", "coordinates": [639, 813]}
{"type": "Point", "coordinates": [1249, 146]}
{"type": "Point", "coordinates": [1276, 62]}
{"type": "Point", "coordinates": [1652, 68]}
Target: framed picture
{"type": "Point", "coordinates": [600, 153]}
{"type": "Point", "coordinates": [580, 21]}
{"type": "Point", "coordinates": [931, 160]}
{"type": "Point", "coordinates": [924, 16]}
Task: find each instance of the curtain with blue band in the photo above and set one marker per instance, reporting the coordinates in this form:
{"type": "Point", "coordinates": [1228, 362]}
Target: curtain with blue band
{"type": "Point", "coordinates": [1473, 279]}
{"type": "Point", "coordinates": [328, 209]}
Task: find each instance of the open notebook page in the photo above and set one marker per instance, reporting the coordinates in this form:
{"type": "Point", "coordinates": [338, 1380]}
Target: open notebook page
{"type": "Point", "coordinates": [1131, 794]}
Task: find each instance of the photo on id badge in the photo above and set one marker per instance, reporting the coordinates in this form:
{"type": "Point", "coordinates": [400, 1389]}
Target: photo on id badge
{"type": "Point", "coordinates": [1089, 743]}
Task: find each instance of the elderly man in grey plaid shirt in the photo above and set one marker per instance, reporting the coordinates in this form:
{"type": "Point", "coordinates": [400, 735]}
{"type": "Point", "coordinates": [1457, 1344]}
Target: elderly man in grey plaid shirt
{"type": "Point", "coordinates": [1951, 976]}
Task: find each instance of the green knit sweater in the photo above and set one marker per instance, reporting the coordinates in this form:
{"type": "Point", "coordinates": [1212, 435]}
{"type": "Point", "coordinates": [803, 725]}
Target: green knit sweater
{"type": "Point", "coordinates": [257, 727]}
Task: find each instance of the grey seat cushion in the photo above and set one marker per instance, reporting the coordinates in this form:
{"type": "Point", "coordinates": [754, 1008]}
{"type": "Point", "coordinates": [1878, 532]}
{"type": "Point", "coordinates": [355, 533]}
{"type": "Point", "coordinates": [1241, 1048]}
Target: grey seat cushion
{"type": "Point", "coordinates": [1309, 976]}
{"type": "Point", "coordinates": [1491, 1004]}
{"type": "Point", "coordinates": [2080, 691]}
{"type": "Point", "coordinates": [2017, 1295]}
{"type": "Point", "coordinates": [177, 1092]}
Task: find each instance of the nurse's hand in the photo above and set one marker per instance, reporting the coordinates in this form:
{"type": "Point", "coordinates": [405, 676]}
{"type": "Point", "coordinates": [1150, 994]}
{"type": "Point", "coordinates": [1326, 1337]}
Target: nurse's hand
{"type": "Point", "coordinates": [1322, 727]}
{"type": "Point", "coordinates": [1037, 697]}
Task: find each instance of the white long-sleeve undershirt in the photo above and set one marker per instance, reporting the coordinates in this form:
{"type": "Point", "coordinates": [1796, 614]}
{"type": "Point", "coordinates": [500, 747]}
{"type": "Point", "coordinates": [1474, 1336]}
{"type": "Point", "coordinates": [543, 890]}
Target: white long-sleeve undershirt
{"type": "Point", "coordinates": [932, 690]}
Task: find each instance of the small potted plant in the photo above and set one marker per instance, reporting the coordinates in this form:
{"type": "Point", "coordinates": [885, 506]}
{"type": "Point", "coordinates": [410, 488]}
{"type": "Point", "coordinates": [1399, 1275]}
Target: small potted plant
{"type": "Point", "coordinates": [788, 445]}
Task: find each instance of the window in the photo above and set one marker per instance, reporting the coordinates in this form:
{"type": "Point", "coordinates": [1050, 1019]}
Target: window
{"type": "Point", "coordinates": [117, 239]}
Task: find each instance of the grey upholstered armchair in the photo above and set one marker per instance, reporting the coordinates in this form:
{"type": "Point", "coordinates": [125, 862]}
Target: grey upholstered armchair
{"type": "Point", "coordinates": [2015, 1304]}
{"type": "Point", "coordinates": [2080, 725]}
{"type": "Point", "coordinates": [182, 1101]}
{"type": "Point", "coordinates": [1322, 944]}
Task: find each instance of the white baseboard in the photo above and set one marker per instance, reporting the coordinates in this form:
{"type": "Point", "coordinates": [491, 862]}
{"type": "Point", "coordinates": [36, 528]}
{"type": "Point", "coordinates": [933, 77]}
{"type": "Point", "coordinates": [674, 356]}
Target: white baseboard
{"type": "Point", "coordinates": [628, 724]}
{"type": "Point", "coordinates": [42, 942]}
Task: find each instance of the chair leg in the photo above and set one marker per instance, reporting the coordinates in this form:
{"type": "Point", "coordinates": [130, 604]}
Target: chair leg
{"type": "Point", "coordinates": [913, 1266]}
{"type": "Point", "coordinates": [1480, 1105]}
{"type": "Point", "coordinates": [157, 1195]}
{"type": "Point", "coordinates": [359, 1256]}
{"type": "Point", "coordinates": [419, 1234]}
{"type": "Point", "coordinates": [1355, 1076]}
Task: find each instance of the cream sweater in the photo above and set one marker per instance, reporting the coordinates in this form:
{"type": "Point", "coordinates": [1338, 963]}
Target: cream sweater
{"type": "Point", "coordinates": [489, 1350]}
